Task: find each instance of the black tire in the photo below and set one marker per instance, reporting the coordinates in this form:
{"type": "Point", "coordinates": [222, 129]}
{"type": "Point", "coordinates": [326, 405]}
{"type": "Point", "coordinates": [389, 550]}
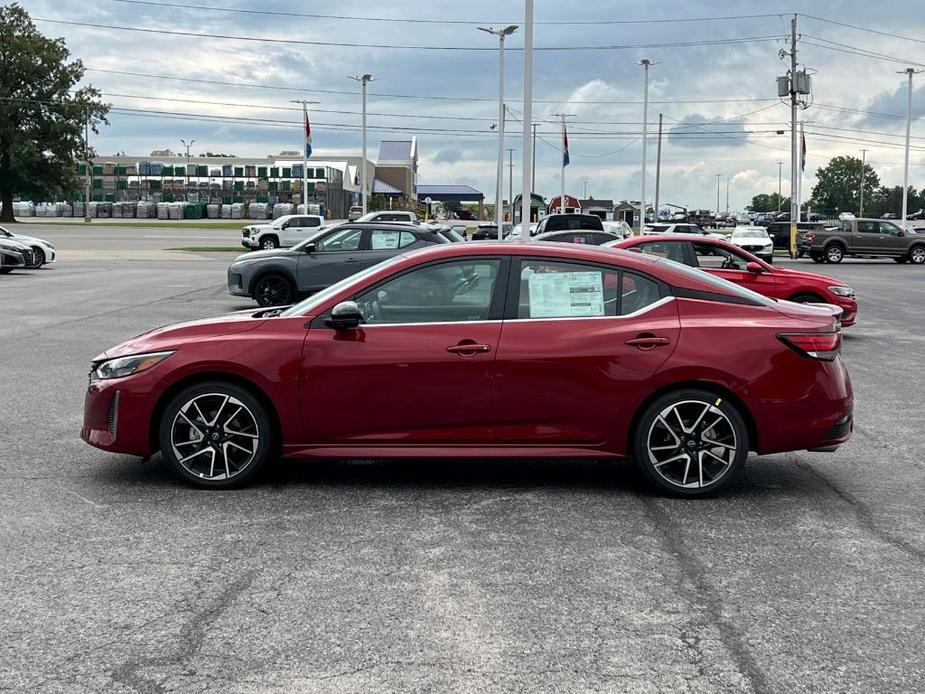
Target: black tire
{"type": "Point", "coordinates": [273, 290]}
{"type": "Point", "coordinates": [666, 467]}
{"type": "Point", "coordinates": [186, 421]}
{"type": "Point", "coordinates": [817, 257]}
{"type": "Point", "coordinates": [807, 298]}
{"type": "Point", "coordinates": [268, 243]}
{"type": "Point", "coordinates": [5, 270]}
{"type": "Point", "coordinates": [834, 253]}
{"type": "Point", "coordinates": [917, 255]}
{"type": "Point", "coordinates": [39, 257]}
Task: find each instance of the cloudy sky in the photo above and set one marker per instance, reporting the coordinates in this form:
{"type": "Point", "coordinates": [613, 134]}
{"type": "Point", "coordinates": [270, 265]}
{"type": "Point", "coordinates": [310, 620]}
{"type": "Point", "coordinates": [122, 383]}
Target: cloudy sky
{"type": "Point", "coordinates": [714, 81]}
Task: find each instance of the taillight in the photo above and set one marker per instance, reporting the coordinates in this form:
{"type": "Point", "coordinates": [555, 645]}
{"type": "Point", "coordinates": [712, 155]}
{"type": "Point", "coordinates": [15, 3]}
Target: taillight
{"type": "Point", "coordinates": [810, 236]}
{"type": "Point", "coordinates": [823, 346]}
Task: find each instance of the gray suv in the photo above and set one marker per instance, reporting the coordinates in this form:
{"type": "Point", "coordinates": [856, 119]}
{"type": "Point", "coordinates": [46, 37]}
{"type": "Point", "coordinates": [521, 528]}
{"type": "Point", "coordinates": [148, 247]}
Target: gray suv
{"type": "Point", "coordinates": [278, 277]}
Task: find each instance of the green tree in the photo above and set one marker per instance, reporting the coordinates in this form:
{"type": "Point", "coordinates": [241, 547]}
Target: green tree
{"type": "Point", "coordinates": [839, 182]}
{"type": "Point", "coordinates": [41, 120]}
{"type": "Point", "coordinates": [769, 203]}
{"type": "Point", "coordinates": [891, 200]}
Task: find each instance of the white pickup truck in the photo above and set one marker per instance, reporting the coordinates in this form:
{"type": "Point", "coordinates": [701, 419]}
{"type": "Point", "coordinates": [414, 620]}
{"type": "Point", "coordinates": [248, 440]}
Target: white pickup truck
{"type": "Point", "coordinates": [283, 232]}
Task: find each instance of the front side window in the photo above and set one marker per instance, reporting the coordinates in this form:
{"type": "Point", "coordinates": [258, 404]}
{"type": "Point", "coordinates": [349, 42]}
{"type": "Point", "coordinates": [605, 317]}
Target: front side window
{"type": "Point", "coordinates": [888, 228]}
{"type": "Point", "coordinates": [389, 239]}
{"type": "Point", "coordinates": [457, 291]}
{"type": "Point", "coordinates": [717, 257]}
{"type": "Point", "coordinates": [341, 240]}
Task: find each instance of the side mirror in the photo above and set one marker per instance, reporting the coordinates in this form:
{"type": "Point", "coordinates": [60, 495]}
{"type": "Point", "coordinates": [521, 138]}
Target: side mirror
{"type": "Point", "coordinates": [284, 225]}
{"type": "Point", "coordinates": [346, 315]}
{"type": "Point", "coordinates": [308, 248]}
{"type": "Point", "coordinates": [900, 233]}
{"type": "Point", "coordinates": [754, 267]}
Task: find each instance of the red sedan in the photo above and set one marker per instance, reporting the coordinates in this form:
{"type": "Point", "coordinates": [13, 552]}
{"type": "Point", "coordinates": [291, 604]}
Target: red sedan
{"type": "Point", "coordinates": [732, 263]}
{"type": "Point", "coordinates": [525, 350]}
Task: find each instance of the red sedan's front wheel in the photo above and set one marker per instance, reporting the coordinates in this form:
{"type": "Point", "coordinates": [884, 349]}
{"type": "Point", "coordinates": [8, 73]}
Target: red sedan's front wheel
{"type": "Point", "coordinates": [216, 435]}
{"type": "Point", "coordinates": [690, 443]}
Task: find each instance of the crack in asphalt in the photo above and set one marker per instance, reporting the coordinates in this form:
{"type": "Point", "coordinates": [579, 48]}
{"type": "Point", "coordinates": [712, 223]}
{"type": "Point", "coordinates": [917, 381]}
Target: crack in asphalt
{"type": "Point", "coordinates": [864, 515]}
{"type": "Point", "coordinates": [702, 594]}
{"type": "Point", "coordinates": [190, 641]}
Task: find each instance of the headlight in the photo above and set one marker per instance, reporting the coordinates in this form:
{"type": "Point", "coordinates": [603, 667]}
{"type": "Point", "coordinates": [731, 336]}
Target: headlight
{"type": "Point", "coordinates": [126, 366]}
{"type": "Point", "coordinates": [840, 290]}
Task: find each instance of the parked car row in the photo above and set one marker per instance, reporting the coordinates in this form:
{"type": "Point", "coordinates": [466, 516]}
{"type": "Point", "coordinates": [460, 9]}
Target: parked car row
{"type": "Point", "coordinates": [23, 252]}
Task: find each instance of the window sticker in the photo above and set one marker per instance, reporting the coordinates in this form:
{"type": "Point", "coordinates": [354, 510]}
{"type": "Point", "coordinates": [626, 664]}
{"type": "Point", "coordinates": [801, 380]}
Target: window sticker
{"type": "Point", "coordinates": [566, 294]}
{"type": "Point", "coordinates": [385, 240]}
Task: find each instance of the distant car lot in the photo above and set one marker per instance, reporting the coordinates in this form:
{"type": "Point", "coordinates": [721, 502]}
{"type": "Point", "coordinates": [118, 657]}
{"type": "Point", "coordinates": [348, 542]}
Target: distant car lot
{"type": "Point", "coordinates": [408, 575]}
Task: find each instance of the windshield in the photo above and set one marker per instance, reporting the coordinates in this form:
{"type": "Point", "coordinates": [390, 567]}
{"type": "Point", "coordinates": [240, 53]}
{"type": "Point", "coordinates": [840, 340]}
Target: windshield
{"type": "Point", "coordinates": [750, 234]}
{"type": "Point", "coordinates": [4, 232]}
{"type": "Point", "coordinates": [726, 286]}
{"type": "Point", "coordinates": [306, 306]}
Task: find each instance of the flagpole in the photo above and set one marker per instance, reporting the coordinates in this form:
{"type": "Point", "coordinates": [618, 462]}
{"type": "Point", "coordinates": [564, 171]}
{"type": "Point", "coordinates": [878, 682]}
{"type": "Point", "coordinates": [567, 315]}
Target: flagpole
{"type": "Point", "coordinates": [564, 160]}
{"type": "Point", "coordinates": [305, 134]}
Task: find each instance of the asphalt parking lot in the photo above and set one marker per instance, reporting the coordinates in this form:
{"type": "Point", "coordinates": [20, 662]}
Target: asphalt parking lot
{"type": "Point", "coordinates": [808, 575]}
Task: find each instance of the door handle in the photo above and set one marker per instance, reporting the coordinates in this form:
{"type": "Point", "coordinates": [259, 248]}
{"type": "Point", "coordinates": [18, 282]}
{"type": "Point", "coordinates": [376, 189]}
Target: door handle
{"type": "Point", "coordinates": [468, 348]}
{"type": "Point", "coordinates": [648, 342]}
{"type": "Point", "coordinates": [352, 260]}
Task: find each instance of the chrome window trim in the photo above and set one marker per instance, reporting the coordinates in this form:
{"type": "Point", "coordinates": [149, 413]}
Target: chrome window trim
{"type": "Point", "coordinates": [644, 309]}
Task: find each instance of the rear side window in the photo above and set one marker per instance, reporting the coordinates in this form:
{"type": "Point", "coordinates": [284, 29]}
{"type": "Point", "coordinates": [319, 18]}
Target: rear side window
{"type": "Point", "coordinates": [673, 250]}
{"type": "Point", "coordinates": [555, 289]}
{"type": "Point", "coordinates": [310, 222]}
{"type": "Point", "coordinates": [388, 239]}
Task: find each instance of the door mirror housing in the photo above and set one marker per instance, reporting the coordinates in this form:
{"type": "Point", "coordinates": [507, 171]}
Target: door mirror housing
{"type": "Point", "coordinates": [308, 248]}
{"type": "Point", "coordinates": [345, 316]}
{"type": "Point", "coordinates": [754, 267]}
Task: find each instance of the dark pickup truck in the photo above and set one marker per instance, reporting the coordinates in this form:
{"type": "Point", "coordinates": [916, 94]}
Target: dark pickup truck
{"type": "Point", "coordinates": [863, 238]}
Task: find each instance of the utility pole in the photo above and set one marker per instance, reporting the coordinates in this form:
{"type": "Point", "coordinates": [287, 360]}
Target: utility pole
{"type": "Point", "coordinates": [780, 169]}
{"type": "Point", "coordinates": [510, 181]}
{"type": "Point", "coordinates": [909, 71]}
{"type": "Point", "coordinates": [529, 161]}
{"type": "Point", "coordinates": [89, 167]}
{"type": "Point", "coordinates": [305, 104]}
{"type": "Point", "coordinates": [646, 63]}
{"type": "Point", "coordinates": [586, 188]}
{"type": "Point", "coordinates": [188, 145]}
{"type": "Point", "coordinates": [363, 80]}
{"type": "Point", "coordinates": [794, 210]}
{"type": "Point", "coordinates": [658, 165]}
{"type": "Point", "coordinates": [718, 176]}
{"type": "Point", "coordinates": [563, 116]}
{"type": "Point", "coordinates": [863, 164]}
{"type": "Point", "coordinates": [727, 195]}
{"type": "Point", "coordinates": [499, 178]}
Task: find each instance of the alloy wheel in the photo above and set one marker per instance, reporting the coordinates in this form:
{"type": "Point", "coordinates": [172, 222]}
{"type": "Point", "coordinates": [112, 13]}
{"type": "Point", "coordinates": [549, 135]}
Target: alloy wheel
{"type": "Point", "coordinates": [691, 444]}
{"type": "Point", "coordinates": [273, 291]}
{"type": "Point", "coordinates": [214, 436]}
{"type": "Point", "coordinates": [834, 254]}
{"type": "Point", "coordinates": [917, 255]}
{"type": "Point", "coordinates": [268, 244]}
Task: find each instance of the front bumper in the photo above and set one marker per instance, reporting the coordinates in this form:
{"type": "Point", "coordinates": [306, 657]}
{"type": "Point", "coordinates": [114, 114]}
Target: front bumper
{"type": "Point", "coordinates": [116, 417]}
{"type": "Point", "coordinates": [237, 284]}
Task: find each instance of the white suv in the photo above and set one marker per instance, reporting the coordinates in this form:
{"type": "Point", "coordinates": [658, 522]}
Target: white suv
{"type": "Point", "coordinates": [283, 232]}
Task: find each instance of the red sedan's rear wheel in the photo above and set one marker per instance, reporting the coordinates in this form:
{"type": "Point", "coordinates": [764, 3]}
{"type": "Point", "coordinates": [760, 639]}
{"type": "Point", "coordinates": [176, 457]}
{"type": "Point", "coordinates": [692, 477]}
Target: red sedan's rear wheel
{"type": "Point", "coordinates": [690, 443]}
{"type": "Point", "coordinates": [216, 435]}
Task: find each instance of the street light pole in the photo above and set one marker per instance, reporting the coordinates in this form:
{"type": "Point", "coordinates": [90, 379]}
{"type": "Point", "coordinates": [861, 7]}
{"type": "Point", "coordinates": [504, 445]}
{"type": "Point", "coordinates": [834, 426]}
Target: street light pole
{"type": "Point", "coordinates": [909, 71]}
{"type": "Point", "coordinates": [727, 195]}
{"type": "Point", "coordinates": [188, 145]}
{"type": "Point", "coordinates": [363, 80]}
{"type": "Point", "coordinates": [780, 173]}
{"type": "Point", "coordinates": [645, 62]}
{"type": "Point", "coordinates": [529, 166]}
{"type": "Point", "coordinates": [510, 181]}
{"type": "Point", "coordinates": [863, 164]}
{"type": "Point", "coordinates": [718, 176]}
{"type": "Point", "coordinates": [501, 34]}
{"type": "Point", "coordinates": [89, 169]}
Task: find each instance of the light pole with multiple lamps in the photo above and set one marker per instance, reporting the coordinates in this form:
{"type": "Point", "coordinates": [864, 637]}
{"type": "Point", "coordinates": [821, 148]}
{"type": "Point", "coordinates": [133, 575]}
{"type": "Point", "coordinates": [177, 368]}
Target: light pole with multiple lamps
{"type": "Point", "coordinates": [910, 71]}
{"type": "Point", "coordinates": [188, 146]}
{"type": "Point", "coordinates": [501, 34]}
{"type": "Point", "coordinates": [646, 63]}
{"type": "Point", "coordinates": [363, 80]}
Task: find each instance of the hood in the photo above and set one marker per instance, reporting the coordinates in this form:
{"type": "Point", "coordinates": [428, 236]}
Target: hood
{"type": "Point", "coordinates": [28, 239]}
{"type": "Point", "coordinates": [13, 244]}
{"type": "Point", "coordinates": [808, 276]}
{"type": "Point", "coordinates": [173, 336]}
{"type": "Point", "coordinates": [258, 255]}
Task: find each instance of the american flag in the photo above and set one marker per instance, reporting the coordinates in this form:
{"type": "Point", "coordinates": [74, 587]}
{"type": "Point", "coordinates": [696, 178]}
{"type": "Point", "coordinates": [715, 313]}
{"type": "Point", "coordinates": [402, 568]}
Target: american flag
{"type": "Point", "coordinates": [308, 133]}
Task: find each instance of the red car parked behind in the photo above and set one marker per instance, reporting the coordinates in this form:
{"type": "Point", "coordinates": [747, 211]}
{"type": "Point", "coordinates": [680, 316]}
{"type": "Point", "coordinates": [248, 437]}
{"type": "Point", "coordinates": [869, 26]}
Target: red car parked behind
{"type": "Point", "coordinates": [732, 263]}
{"type": "Point", "coordinates": [526, 350]}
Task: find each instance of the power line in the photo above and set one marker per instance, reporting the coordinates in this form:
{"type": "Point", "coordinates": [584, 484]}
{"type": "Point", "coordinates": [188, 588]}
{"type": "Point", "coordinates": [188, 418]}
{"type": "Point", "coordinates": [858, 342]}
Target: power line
{"type": "Point", "coordinates": [415, 20]}
{"type": "Point", "coordinates": [867, 29]}
{"type": "Point", "coordinates": [313, 90]}
{"type": "Point", "coordinates": [337, 44]}
{"type": "Point", "coordinates": [854, 50]}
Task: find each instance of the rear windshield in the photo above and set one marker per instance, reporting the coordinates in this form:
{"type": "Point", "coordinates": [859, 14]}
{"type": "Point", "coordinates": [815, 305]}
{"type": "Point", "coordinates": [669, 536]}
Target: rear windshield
{"type": "Point", "coordinates": [570, 222]}
{"type": "Point", "coordinates": [724, 286]}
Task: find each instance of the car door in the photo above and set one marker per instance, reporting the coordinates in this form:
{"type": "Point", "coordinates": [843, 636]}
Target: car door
{"type": "Point", "coordinates": [579, 340]}
{"type": "Point", "coordinates": [731, 265]}
{"type": "Point", "coordinates": [306, 227]}
{"type": "Point", "coordinates": [335, 255]}
{"type": "Point", "coordinates": [290, 232]}
{"type": "Point", "coordinates": [419, 370]}
{"type": "Point", "coordinates": [866, 238]}
{"type": "Point", "coordinates": [892, 239]}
